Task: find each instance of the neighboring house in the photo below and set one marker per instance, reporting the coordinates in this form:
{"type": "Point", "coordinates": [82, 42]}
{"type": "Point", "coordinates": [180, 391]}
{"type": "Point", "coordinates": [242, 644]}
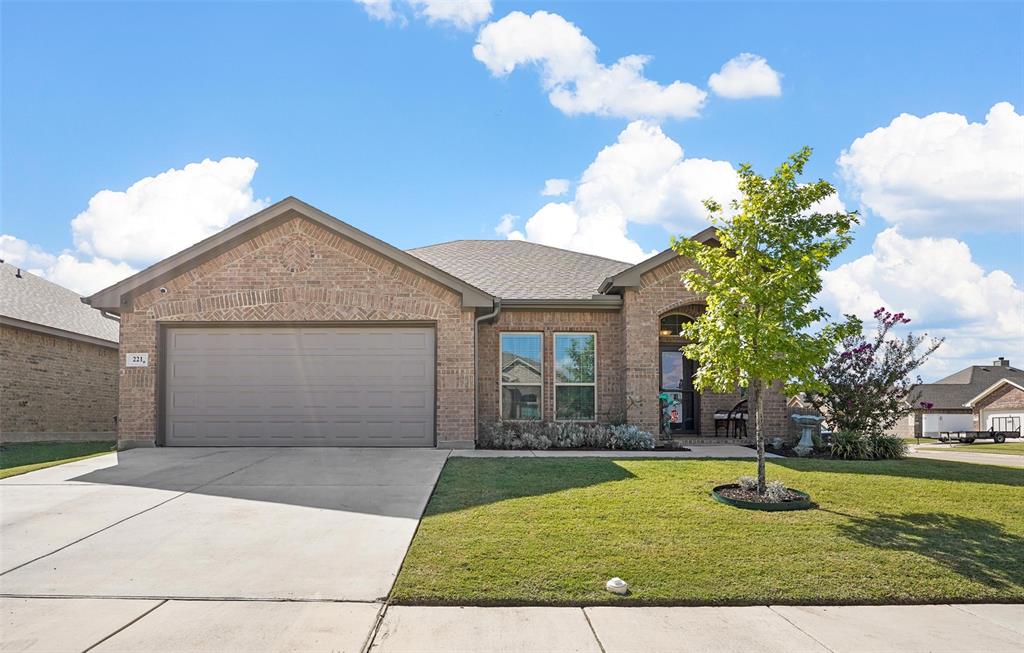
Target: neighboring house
{"type": "Point", "coordinates": [294, 328]}
{"type": "Point", "coordinates": [965, 401]}
{"type": "Point", "coordinates": [999, 407]}
{"type": "Point", "coordinates": [58, 363]}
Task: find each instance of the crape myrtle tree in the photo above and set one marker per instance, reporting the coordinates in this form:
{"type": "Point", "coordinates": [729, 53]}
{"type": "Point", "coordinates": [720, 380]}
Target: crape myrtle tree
{"type": "Point", "coordinates": [867, 379]}
{"type": "Point", "coordinates": [760, 327]}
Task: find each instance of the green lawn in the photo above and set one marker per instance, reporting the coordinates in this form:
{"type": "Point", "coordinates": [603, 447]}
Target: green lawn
{"type": "Point", "coordinates": [21, 457]}
{"type": "Point", "coordinates": [919, 440]}
{"type": "Point", "coordinates": [991, 447]}
{"type": "Point", "coordinates": [552, 531]}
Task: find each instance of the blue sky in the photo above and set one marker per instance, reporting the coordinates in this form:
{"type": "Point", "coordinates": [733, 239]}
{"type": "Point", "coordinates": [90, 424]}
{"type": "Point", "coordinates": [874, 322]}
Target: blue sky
{"type": "Point", "coordinates": [397, 127]}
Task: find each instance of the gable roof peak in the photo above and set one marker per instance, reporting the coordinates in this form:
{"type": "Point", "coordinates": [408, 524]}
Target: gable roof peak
{"type": "Point", "coordinates": [117, 296]}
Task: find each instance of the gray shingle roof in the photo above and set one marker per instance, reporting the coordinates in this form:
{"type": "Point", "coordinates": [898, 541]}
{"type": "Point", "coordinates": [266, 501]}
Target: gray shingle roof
{"type": "Point", "coordinates": [516, 269]}
{"type": "Point", "coordinates": [957, 389]}
{"type": "Point", "coordinates": [36, 300]}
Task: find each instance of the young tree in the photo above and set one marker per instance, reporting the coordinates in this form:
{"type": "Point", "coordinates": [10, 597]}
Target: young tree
{"type": "Point", "coordinates": [868, 387]}
{"type": "Point", "coordinates": [759, 287]}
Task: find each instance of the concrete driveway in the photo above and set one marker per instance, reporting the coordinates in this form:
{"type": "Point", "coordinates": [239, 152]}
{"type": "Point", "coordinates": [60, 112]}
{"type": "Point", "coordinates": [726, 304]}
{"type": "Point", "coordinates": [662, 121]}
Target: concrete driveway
{"type": "Point", "coordinates": [293, 548]}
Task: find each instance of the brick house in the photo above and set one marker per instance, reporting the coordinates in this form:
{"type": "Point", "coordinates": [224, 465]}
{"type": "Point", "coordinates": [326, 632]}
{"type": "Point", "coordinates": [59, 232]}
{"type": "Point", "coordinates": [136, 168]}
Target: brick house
{"type": "Point", "coordinates": [964, 401]}
{"type": "Point", "coordinates": [58, 363]}
{"type": "Point", "coordinates": [999, 407]}
{"type": "Point", "coordinates": [294, 328]}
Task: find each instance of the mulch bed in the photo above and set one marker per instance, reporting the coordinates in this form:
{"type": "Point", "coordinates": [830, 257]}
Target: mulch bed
{"type": "Point", "coordinates": [739, 494]}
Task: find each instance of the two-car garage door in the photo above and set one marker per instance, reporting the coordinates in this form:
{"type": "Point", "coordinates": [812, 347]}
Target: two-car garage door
{"type": "Point", "coordinates": [299, 386]}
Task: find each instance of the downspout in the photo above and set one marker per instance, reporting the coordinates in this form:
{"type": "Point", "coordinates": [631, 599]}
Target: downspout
{"type": "Point", "coordinates": [476, 364]}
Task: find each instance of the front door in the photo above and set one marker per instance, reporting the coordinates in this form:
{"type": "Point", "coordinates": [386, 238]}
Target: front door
{"type": "Point", "coordinates": [680, 406]}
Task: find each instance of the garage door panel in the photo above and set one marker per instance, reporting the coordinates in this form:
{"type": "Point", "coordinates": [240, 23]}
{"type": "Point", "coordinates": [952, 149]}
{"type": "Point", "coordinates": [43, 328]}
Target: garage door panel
{"type": "Point", "coordinates": [300, 386]}
{"type": "Point", "coordinates": [398, 402]}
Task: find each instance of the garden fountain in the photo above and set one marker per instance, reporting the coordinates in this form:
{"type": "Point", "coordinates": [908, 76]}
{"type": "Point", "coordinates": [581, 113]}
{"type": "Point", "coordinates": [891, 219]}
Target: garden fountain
{"type": "Point", "coordinates": [807, 424]}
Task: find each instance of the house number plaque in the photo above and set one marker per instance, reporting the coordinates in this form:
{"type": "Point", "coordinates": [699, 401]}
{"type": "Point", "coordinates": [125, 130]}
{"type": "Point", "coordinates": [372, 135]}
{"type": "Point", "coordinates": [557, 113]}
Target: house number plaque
{"type": "Point", "coordinates": [137, 360]}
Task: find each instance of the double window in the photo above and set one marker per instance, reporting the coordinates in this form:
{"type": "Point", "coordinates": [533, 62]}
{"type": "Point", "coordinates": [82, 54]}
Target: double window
{"type": "Point", "coordinates": [576, 377]}
{"type": "Point", "coordinates": [522, 375]}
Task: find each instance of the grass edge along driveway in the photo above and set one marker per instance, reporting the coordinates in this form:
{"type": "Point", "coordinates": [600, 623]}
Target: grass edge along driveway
{"type": "Point", "coordinates": [551, 531]}
{"type": "Point", "coordinates": [23, 457]}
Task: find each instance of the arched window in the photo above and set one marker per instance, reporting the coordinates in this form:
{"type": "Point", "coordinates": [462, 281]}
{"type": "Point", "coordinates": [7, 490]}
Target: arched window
{"type": "Point", "coordinates": [673, 323]}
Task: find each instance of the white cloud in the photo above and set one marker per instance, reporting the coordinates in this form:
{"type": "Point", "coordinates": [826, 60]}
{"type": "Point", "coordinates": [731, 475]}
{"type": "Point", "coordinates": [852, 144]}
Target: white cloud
{"type": "Point", "coordinates": [555, 187]}
{"type": "Point", "coordinates": [65, 269]}
{"type": "Point", "coordinates": [981, 313]}
{"type": "Point", "coordinates": [86, 277]}
{"type": "Point", "coordinates": [942, 172]}
{"type": "Point", "coordinates": [20, 253]}
{"type": "Point", "coordinates": [576, 82]}
{"type": "Point", "coordinates": [506, 227]}
{"type": "Point", "coordinates": [380, 9]}
{"type": "Point", "coordinates": [158, 216]}
{"type": "Point", "coordinates": [154, 218]}
{"type": "Point", "coordinates": [642, 178]}
{"type": "Point", "coordinates": [463, 14]}
{"type": "Point", "coordinates": [745, 76]}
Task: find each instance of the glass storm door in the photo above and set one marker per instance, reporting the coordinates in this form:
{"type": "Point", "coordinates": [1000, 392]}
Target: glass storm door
{"type": "Point", "coordinates": [679, 412]}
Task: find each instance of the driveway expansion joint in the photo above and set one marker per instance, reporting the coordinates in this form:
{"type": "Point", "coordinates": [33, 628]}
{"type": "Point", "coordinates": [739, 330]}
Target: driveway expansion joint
{"type": "Point", "coordinates": [127, 625]}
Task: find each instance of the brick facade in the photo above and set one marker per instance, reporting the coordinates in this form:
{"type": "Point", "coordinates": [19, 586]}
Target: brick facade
{"type": "Point", "coordinates": [607, 325]}
{"type": "Point", "coordinates": [55, 388]}
{"type": "Point", "coordinates": [1004, 398]}
{"type": "Point", "coordinates": [293, 272]}
{"type": "Point", "coordinates": [662, 292]}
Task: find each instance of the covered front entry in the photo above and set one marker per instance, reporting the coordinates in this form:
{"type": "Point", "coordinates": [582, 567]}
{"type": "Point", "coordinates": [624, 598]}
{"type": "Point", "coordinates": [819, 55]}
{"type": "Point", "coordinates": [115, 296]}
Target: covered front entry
{"type": "Point", "coordinates": [299, 386]}
{"type": "Point", "coordinates": [679, 412]}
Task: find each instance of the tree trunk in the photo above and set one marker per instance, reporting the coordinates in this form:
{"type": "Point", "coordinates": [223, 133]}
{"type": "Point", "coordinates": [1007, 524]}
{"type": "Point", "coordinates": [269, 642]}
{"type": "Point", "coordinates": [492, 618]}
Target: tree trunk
{"type": "Point", "coordinates": [756, 389]}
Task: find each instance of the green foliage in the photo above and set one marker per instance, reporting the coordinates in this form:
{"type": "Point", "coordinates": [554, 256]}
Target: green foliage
{"type": "Point", "coordinates": [886, 447]}
{"type": "Point", "coordinates": [848, 445]}
{"type": "Point", "coordinates": [759, 286]}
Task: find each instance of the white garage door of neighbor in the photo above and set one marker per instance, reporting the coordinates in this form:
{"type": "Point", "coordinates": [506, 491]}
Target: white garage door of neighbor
{"type": "Point", "coordinates": [933, 423]}
{"type": "Point", "coordinates": [1012, 420]}
{"type": "Point", "coordinates": [299, 386]}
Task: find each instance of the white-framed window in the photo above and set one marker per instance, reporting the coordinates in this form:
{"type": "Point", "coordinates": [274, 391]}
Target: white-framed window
{"type": "Point", "coordinates": [575, 377]}
{"type": "Point", "coordinates": [522, 375]}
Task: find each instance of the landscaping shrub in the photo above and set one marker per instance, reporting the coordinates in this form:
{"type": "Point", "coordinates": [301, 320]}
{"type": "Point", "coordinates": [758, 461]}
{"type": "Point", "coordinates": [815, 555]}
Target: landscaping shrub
{"type": "Point", "coordinates": [853, 446]}
{"type": "Point", "coordinates": [849, 446]}
{"type": "Point", "coordinates": [562, 435]}
{"type": "Point", "coordinates": [747, 483]}
{"type": "Point", "coordinates": [631, 437]}
{"type": "Point", "coordinates": [885, 447]}
{"type": "Point", "coordinates": [775, 491]}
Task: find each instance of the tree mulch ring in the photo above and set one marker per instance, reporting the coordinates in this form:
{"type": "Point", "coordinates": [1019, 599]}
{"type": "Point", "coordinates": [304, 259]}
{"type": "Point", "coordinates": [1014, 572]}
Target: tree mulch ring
{"type": "Point", "coordinates": [732, 494]}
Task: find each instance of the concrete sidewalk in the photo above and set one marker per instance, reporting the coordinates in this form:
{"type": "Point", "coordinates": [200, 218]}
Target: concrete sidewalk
{"type": "Point", "coordinates": [191, 626]}
{"type": "Point", "coordinates": [782, 629]}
